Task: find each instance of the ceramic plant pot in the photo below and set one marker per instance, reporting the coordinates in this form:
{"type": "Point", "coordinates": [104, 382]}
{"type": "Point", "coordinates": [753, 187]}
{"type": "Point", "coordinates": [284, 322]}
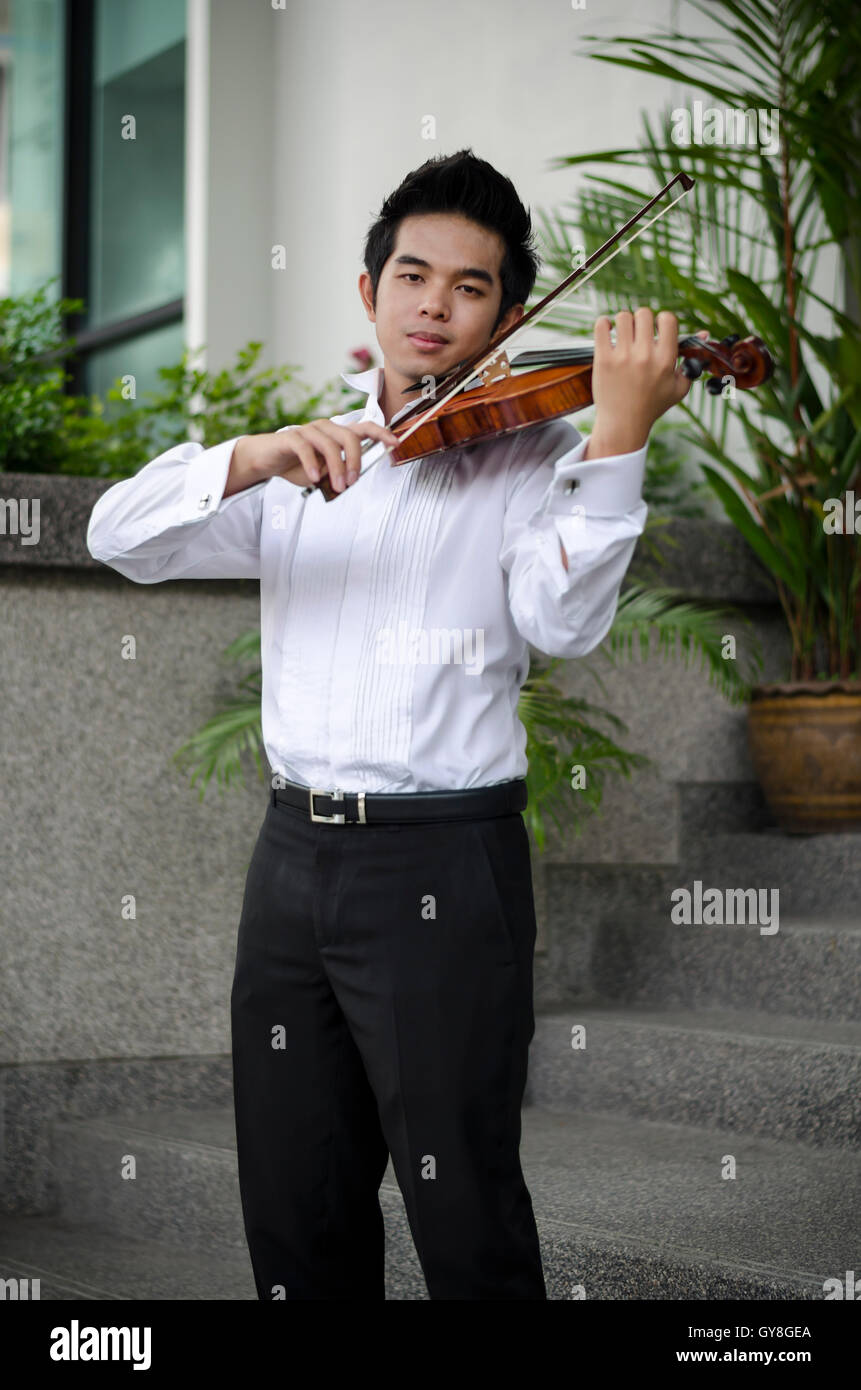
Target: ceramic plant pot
{"type": "Point", "coordinates": [805, 744]}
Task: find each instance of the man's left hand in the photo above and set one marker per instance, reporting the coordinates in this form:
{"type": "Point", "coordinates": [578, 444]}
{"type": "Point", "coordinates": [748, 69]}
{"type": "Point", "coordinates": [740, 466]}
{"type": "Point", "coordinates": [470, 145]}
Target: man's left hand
{"type": "Point", "coordinates": [634, 381]}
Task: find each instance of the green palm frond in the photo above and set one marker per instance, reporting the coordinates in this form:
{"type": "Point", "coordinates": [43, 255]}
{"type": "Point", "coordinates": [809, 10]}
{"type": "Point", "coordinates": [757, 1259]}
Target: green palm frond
{"type": "Point", "coordinates": [686, 630]}
{"type": "Point", "coordinates": [746, 253]}
{"type": "Point", "coordinates": [561, 737]}
{"type": "Point", "coordinates": [215, 751]}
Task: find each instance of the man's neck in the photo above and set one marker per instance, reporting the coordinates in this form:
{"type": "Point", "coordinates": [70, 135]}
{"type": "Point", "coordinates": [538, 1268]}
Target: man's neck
{"type": "Point", "coordinates": [392, 397]}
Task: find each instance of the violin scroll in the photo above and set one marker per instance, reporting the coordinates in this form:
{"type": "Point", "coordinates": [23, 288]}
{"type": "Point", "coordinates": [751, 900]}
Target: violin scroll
{"type": "Point", "coordinates": [747, 360]}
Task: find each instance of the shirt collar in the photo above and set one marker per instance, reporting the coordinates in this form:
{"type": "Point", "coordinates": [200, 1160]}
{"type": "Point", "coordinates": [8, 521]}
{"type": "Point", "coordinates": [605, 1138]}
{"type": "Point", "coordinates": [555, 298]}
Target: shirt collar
{"type": "Point", "coordinates": [371, 384]}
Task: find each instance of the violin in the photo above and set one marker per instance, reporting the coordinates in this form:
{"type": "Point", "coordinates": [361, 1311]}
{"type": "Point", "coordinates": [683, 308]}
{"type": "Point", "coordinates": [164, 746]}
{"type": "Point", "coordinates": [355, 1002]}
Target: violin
{"type": "Point", "coordinates": [496, 407]}
{"type": "Point", "coordinates": [480, 399]}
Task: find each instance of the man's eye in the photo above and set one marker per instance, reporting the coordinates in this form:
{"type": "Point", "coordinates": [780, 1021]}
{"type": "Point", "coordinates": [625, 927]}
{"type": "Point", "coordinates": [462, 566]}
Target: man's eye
{"type": "Point", "coordinates": [411, 275]}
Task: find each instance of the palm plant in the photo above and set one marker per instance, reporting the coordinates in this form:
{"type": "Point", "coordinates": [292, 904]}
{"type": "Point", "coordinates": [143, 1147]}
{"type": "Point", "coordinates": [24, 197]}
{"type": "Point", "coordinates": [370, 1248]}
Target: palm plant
{"type": "Point", "coordinates": [747, 251]}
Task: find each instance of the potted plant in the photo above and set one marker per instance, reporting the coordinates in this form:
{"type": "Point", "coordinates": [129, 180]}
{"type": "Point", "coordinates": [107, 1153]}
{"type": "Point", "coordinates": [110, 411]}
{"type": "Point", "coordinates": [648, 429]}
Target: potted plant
{"type": "Point", "coordinates": [746, 252]}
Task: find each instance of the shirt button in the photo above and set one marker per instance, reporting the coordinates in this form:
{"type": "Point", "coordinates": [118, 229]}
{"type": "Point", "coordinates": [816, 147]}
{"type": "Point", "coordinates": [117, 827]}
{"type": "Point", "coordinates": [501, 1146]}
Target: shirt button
{"type": "Point", "coordinates": [204, 502]}
{"type": "Point", "coordinates": [572, 485]}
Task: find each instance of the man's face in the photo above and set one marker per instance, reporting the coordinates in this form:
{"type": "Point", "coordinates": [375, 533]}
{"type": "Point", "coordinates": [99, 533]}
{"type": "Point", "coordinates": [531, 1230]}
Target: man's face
{"type": "Point", "coordinates": [438, 296]}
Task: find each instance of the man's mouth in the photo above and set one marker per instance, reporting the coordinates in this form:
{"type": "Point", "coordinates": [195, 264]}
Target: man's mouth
{"type": "Point", "coordinates": [427, 340]}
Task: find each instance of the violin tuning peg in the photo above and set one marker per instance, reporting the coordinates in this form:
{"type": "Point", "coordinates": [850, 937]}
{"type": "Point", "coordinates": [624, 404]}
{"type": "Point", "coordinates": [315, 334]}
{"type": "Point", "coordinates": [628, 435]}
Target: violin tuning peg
{"type": "Point", "coordinates": [731, 340]}
{"type": "Point", "coordinates": [693, 368]}
{"type": "Point", "coordinates": [714, 385]}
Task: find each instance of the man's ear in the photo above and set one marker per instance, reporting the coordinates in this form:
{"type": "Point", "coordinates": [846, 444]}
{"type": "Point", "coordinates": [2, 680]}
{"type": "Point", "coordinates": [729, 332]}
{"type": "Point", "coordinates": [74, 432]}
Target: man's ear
{"type": "Point", "coordinates": [366, 290]}
{"type": "Point", "coordinates": [510, 317]}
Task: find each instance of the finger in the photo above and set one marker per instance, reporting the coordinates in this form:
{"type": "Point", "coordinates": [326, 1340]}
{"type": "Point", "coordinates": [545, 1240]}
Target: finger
{"type": "Point", "coordinates": [603, 341]}
{"type": "Point", "coordinates": [644, 328]}
{"type": "Point", "coordinates": [329, 448]}
{"type": "Point", "coordinates": [348, 441]}
{"type": "Point", "coordinates": [299, 448]}
{"type": "Point", "coordinates": [624, 328]}
{"type": "Point", "coordinates": [668, 334]}
{"type": "Point", "coordinates": [369, 429]}
{"type": "Point", "coordinates": [682, 384]}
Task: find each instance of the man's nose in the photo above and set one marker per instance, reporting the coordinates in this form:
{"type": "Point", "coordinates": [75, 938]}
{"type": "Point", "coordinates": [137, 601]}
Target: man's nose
{"type": "Point", "coordinates": [435, 304]}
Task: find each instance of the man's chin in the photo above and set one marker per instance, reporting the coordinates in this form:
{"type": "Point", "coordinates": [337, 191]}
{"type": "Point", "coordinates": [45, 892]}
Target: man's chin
{"type": "Point", "coordinates": [418, 365]}
{"type": "Point", "coordinates": [426, 363]}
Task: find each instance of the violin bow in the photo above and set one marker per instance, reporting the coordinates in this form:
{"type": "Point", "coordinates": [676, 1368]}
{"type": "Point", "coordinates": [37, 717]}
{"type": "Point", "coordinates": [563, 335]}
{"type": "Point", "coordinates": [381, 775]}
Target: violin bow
{"type": "Point", "coordinates": [457, 377]}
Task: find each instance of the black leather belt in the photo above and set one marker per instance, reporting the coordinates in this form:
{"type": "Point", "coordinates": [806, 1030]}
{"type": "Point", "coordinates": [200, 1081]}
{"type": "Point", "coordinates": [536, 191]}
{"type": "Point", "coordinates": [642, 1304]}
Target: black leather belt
{"type": "Point", "coordinates": [337, 807]}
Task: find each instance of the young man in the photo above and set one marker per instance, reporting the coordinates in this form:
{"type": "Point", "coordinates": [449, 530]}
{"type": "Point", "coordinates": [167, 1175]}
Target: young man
{"type": "Point", "coordinates": [382, 997]}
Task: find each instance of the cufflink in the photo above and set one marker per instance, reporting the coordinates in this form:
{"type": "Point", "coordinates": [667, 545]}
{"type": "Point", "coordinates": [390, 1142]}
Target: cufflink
{"type": "Point", "coordinates": [204, 502]}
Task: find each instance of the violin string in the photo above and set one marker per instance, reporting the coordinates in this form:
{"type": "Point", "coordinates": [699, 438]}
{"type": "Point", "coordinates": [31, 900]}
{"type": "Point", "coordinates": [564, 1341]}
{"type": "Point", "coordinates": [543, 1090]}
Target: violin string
{"type": "Point", "coordinates": [600, 266]}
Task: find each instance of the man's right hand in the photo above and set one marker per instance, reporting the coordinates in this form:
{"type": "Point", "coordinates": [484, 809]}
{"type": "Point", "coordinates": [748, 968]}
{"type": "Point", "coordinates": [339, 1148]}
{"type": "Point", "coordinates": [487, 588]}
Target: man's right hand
{"type": "Point", "coordinates": [303, 454]}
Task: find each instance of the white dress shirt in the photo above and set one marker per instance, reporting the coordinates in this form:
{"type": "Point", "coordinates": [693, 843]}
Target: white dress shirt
{"type": "Point", "coordinates": [395, 620]}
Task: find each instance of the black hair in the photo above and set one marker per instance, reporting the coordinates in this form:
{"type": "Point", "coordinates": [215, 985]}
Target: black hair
{"type": "Point", "coordinates": [461, 183]}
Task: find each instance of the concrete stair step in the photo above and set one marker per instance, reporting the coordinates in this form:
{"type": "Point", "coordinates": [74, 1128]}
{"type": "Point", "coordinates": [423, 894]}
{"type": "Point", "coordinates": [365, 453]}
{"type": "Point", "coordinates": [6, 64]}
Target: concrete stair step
{"type": "Point", "coordinates": [627, 1208]}
{"type": "Point", "coordinates": [75, 1262]}
{"type": "Point", "coordinates": [706, 807]}
{"type": "Point", "coordinates": [809, 968]}
{"type": "Point", "coordinates": [638, 1209]}
{"type": "Point", "coordinates": [742, 1070]}
{"type": "Point", "coordinates": [815, 874]}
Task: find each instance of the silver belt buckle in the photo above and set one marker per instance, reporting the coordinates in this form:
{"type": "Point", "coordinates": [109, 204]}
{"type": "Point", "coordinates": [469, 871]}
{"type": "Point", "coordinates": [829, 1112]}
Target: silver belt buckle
{"type": "Point", "coordinates": [338, 817]}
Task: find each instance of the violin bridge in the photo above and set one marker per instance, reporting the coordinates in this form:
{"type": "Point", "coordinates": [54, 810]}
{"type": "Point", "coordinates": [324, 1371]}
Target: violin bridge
{"type": "Point", "coordinates": [496, 369]}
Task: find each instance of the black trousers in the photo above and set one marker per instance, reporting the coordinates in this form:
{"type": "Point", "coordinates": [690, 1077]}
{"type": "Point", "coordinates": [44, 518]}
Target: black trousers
{"type": "Point", "coordinates": [382, 1004]}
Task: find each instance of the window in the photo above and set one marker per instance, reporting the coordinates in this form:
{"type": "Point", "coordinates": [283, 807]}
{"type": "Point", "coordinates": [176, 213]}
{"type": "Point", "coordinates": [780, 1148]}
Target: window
{"type": "Point", "coordinates": [32, 91]}
{"type": "Point", "coordinates": [92, 149]}
{"type": "Point", "coordinates": [135, 215]}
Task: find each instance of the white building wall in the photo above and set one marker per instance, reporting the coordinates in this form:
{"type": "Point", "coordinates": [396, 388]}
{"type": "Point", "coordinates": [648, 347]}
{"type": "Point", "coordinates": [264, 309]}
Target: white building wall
{"type": "Point", "coordinates": [317, 113]}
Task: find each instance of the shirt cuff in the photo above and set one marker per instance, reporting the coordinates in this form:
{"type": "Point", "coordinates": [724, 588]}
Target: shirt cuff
{"type": "Point", "coordinates": [549, 545]}
{"type": "Point", "coordinates": [206, 479]}
{"type": "Point", "coordinates": [596, 487]}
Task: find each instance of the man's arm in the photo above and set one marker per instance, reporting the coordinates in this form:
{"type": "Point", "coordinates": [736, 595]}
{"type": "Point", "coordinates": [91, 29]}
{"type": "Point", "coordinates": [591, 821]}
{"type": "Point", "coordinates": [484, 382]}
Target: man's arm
{"type": "Point", "coordinates": [245, 469]}
{"type": "Point", "coordinates": [171, 520]}
{"type": "Point", "coordinates": [195, 513]}
{"type": "Point", "coordinates": [634, 382]}
{"type": "Point", "coordinates": [303, 453]}
{"type": "Point", "coordinates": [569, 533]}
